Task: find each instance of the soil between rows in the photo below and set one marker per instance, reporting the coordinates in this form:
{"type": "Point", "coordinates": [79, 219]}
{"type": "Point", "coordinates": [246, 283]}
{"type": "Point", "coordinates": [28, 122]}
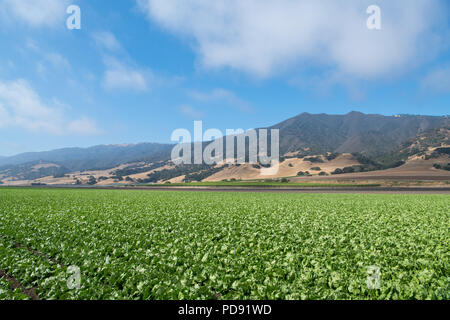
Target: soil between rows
{"type": "Point", "coordinates": [31, 293]}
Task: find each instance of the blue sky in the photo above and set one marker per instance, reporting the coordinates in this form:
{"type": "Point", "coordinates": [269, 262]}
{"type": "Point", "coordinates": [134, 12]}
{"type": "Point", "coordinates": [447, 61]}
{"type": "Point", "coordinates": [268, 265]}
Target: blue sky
{"type": "Point", "coordinates": [139, 69]}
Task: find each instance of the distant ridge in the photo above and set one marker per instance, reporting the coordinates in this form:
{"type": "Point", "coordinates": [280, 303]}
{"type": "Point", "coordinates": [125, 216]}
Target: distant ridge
{"type": "Point", "coordinates": [353, 132]}
{"type": "Point", "coordinates": [375, 136]}
{"type": "Point", "coordinates": [96, 157]}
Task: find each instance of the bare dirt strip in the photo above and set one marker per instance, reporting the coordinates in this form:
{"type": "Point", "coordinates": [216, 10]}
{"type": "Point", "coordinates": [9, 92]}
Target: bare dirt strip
{"type": "Point", "coordinates": [16, 284]}
{"type": "Point", "coordinates": [351, 176]}
{"type": "Point", "coordinates": [263, 189]}
{"type": "Point", "coordinates": [308, 190]}
{"type": "Point", "coordinates": [40, 254]}
{"type": "Point", "coordinates": [319, 190]}
{"type": "Point", "coordinates": [31, 293]}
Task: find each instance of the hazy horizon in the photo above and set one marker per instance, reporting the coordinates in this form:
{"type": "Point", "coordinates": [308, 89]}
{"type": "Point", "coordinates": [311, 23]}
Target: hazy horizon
{"type": "Point", "coordinates": [136, 70]}
{"type": "Point", "coordinates": [174, 143]}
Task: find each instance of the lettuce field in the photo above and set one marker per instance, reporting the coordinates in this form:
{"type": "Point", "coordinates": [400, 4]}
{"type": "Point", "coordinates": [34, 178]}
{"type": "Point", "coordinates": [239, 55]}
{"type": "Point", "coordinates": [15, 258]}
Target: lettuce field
{"type": "Point", "coordinates": [126, 244]}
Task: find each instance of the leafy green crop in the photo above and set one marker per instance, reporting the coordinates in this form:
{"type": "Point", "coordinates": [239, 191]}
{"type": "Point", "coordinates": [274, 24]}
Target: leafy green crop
{"type": "Point", "coordinates": [7, 293]}
{"type": "Point", "coordinates": [193, 245]}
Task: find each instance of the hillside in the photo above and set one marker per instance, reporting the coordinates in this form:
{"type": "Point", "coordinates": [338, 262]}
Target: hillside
{"type": "Point", "coordinates": [342, 144]}
{"type": "Point", "coordinates": [97, 157]}
{"type": "Point", "coordinates": [354, 132]}
{"type": "Point", "coordinates": [420, 144]}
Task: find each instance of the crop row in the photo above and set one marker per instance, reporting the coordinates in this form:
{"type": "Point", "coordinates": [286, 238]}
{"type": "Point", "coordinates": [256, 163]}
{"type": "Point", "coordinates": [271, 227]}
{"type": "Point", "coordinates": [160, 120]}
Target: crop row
{"type": "Point", "coordinates": [181, 245]}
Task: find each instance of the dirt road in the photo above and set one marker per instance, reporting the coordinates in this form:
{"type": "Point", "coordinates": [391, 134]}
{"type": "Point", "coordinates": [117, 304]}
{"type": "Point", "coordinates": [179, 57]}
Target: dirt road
{"type": "Point", "coordinates": [359, 190]}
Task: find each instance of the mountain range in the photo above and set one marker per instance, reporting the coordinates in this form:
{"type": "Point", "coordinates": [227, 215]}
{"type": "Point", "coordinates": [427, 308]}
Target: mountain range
{"type": "Point", "coordinates": [97, 157]}
{"type": "Point", "coordinates": [354, 132]}
{"type": "Point", "coordinates": [384, 139]}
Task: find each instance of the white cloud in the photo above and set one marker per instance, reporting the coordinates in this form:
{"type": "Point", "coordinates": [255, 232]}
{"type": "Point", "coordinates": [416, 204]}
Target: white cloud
{"type": "Point", "coordinates": [83, 126]}
{"type": "Point", "coordinates": [36, 13]}
{"type": "Point", "coordinates": [437, 81]}
{"type": "Point", "coordinates": [4, 116]}
{"type": "Point", "coordinates": [45, 59]}
{"type": "Point", "coordinates": [122, 77]}
{"type": "Point", "coordinates": [22, 107]}
{"type": "Point", "coordinates": [266, 37]}
{"type": "Point", "coordinates": [107, 40]}
{"type": "Point", "coordinates": [125, 75]}
{"type": "Point", "coordinates": [221, 95]}
{"type": "Point", "coordinates": [191, 112]}
{"type": "Point", "coordinates": [119, 75]}
{"type": "Point", "coordinates": [41, 69]}
{"type": "Point", "coordinates": [32, 45]}
{"type": "Point", "coordinates": [57, 60]}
